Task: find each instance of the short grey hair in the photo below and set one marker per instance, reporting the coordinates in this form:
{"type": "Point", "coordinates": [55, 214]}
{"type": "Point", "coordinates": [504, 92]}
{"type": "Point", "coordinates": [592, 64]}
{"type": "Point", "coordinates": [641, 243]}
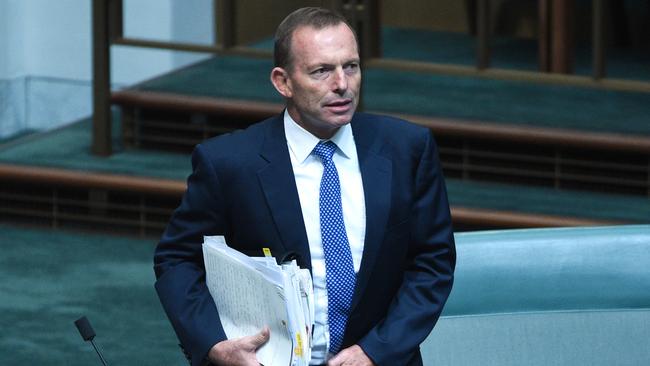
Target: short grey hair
{"type": "Point", "coordinates": [314, 17]}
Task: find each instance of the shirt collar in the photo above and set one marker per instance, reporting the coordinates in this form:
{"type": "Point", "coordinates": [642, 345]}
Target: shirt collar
{"type": "Point", "coordinates": [301, 142]}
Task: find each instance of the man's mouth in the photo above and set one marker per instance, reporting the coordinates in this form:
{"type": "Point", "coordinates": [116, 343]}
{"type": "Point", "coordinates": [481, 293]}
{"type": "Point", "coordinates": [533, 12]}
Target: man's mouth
{"type": "Point", "coordinates": [339, 106]}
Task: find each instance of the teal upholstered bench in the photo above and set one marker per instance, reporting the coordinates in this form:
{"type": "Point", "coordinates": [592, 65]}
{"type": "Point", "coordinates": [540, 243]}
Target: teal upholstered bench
{"type": "Point", "coordinates": [578, 296]}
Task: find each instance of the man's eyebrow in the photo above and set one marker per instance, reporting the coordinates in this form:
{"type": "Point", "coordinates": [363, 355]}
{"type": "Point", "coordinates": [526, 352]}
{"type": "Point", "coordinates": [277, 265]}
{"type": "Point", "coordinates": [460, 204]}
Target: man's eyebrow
{"type": "Point", "coordinates": [320, 65]}
{"type": "Point", "coordinates": [332, 65]}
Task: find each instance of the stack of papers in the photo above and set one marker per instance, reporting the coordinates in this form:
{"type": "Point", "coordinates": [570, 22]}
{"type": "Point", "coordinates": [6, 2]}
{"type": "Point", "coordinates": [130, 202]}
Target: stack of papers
{"type": "Point", "coordinates": [253, 292]}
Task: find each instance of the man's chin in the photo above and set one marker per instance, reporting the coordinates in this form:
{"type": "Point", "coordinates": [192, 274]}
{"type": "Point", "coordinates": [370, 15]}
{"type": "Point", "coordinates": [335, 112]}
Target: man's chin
{"type": "Point", "coordinates": [340, 119]}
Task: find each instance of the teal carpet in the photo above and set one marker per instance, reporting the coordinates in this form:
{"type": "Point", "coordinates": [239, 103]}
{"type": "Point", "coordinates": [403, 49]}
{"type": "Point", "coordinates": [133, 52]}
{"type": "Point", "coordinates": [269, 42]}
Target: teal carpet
{"type": "Point", "coordinates": [18, 136]}
{"type": "Point", "coordinates": [70, 148]}
{"type": "Point", "coordinates": [468, 98]}
{"type": "Point", "coordinates": [548, 201]}
{"type": "Point", "coordinates": [48, 279]}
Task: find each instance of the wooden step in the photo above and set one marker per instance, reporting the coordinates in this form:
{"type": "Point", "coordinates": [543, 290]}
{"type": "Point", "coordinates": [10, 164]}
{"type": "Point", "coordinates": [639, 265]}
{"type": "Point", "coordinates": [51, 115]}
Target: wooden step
{"type": "Point", "coordinates": [482, 151]}
{"type": "Point", "coordinates": [142, 206]}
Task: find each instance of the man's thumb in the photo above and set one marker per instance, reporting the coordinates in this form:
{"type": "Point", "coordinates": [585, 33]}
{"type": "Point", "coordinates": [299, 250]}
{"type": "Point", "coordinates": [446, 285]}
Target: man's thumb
{"type": "Point", "coordinates": [261, 337]}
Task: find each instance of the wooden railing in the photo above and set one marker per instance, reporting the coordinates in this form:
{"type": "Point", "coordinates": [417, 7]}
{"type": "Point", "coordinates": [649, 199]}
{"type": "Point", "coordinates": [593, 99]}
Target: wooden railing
{"type": "Point", "coordinates": [120, 204]}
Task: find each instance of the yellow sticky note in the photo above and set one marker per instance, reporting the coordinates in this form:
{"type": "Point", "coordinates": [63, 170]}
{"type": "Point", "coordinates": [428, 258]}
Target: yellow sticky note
{"type": "Point", "coordinates": [298, 349]}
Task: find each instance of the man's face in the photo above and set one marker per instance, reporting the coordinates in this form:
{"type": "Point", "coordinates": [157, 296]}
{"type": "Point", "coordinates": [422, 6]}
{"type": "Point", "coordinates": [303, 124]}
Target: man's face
{"type": "Point", "coordinates": [324, 78]}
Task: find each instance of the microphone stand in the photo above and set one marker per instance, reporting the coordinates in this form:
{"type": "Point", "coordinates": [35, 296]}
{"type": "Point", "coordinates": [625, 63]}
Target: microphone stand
{"type": "Point", "coordinates": [88, 334]}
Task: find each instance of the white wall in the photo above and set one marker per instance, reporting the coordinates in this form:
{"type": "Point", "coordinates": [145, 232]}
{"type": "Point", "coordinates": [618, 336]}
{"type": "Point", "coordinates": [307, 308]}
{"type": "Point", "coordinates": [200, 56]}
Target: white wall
{"type": "Point", "coordinates": [10, 37]}
{"type": "Point", "coordinates": [46, 54]}
{"type": "Point", "coordinates": [192, 22]}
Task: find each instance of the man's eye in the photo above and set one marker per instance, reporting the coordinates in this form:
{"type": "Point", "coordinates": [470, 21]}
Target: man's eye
{"type": "Point", "coordinates": [352, 67]}
{"type": "Point", "coordinates": [320, 73]}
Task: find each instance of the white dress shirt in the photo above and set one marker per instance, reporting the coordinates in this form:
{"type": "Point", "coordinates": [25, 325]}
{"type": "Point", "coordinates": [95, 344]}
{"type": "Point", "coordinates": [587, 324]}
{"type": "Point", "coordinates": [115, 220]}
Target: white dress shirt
{"type": "Point", "coordinates": [308, 170]}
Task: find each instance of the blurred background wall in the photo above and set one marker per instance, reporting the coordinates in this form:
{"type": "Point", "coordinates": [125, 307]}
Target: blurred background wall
{"type": "Point", "coordinates": [45, 55]}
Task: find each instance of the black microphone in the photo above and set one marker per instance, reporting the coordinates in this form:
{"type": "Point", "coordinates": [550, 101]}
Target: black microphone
{"type": "Point", "coordinates": [88, 334]}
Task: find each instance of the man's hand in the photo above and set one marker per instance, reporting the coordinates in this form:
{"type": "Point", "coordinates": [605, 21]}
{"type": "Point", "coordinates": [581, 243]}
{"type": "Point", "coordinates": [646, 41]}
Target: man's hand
{"type": "Point", "coordinates": [240, 351]}
{"type": "Point", "coordinates": [352, 356]}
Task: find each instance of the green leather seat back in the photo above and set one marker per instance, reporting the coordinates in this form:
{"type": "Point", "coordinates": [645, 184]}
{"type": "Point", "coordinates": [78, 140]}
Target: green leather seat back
{"type": "Point", "coordinates": [576, 296]}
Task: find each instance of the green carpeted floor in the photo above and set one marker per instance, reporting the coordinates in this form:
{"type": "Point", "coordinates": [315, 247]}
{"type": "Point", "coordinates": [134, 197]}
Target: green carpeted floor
{"type": "Point", "coordinates": [548, 201]}
{"type": "Point", "coordinates": [69, 148]}
{"type": "Point", "coordinates": [48, 279]}
{"type": "Point", "coordinates": [468, 98]}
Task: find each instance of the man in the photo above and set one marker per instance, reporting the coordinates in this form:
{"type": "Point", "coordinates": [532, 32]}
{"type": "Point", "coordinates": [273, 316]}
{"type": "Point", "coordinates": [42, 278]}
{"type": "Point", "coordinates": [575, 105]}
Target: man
{"type": "Point", "coordinates": [359, 198]}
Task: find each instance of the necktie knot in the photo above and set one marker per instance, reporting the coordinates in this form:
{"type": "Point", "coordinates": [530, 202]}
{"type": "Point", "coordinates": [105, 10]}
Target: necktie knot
{"type": "Point", "coordinates": [325, 150]}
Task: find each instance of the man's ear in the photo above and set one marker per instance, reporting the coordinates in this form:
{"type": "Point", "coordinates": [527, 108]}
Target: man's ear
{"type": "Point", "coordinates": [281, 82]}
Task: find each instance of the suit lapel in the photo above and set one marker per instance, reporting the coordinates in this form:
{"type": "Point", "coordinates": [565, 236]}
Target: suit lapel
{"type": "Point", "coordinates": [279, 186]}
{"type": "Point", "coordinates": [376, 172]}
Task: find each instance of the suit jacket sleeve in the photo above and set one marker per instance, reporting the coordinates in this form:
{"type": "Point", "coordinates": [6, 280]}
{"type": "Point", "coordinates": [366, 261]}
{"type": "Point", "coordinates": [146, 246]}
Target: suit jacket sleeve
{"type": "Point", "coordinates": [178, 262]}
{"type": "Point", "coordinates": [428, 278]}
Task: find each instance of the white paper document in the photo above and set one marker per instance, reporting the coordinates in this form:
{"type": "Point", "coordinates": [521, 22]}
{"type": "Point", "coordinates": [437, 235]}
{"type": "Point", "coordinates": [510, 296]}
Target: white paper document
{"type": "Point", "coordinates": [253, 292]}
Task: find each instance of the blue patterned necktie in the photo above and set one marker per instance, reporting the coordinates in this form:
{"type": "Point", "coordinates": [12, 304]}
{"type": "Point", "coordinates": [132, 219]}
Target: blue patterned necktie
{"type": "Point", "coordinates": [339, 269]}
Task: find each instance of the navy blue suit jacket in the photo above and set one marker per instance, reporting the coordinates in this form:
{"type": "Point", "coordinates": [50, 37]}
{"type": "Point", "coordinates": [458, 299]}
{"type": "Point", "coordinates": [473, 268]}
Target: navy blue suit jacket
{"type": "Point", "coordinates": [242, 186]}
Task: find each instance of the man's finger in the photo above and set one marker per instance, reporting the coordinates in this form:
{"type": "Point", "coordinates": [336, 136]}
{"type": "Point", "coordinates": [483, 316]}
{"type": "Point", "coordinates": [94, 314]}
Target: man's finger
{"type": "Point", "coordinates": [260, 338]}
{"type": "Point", "coordinates": [353, 355]}
{"type": "Point", "coordinates": [336, 360]}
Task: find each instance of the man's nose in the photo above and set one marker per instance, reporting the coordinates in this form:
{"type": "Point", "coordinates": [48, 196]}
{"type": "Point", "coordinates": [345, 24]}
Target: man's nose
{"type": "Point", "coordinates": [340, 81]}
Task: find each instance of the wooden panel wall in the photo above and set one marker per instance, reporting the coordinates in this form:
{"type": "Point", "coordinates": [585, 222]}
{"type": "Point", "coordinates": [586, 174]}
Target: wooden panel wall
{"type": "Point", "coordinates": [256, 20]}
